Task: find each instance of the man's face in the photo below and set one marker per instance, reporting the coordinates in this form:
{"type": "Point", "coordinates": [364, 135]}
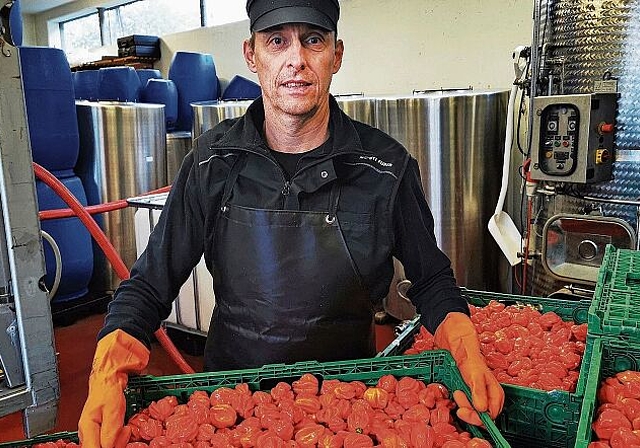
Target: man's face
{"type": "Point", "coordinates": [295, 64]}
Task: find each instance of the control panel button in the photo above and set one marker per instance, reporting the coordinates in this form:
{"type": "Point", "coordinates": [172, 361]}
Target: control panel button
{"type": "Point", "coordinates": [605, 128]}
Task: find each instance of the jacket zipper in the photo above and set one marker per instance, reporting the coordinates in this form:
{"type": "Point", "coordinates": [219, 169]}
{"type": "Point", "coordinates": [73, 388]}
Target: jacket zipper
{"type": "Point", "coordinates": [286, 188]}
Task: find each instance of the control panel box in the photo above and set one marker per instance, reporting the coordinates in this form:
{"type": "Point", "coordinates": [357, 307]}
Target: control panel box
{"type": "Point", "coordinates": [572, 137]}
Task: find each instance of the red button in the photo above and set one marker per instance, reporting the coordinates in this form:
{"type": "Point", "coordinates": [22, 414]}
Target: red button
{"type": "Point", "coordinates": [606, 128]}
{"type": "Point", "coordinates": [565, 143]}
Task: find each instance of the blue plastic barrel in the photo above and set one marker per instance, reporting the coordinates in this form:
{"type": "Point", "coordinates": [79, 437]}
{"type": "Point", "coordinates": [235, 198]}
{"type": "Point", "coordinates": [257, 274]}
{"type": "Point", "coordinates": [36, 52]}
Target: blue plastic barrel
{"type": "Point", "coordinates": [71, 237]}
{"type": "Point", "coordinates": [15, 23]}
{"type": "Point", "coordinates": [50, 105]}
{"type": "Point", "coordinates": [195, 77]}
{"type": "Point", "coordinates": [85, 84]}
{"type": "Point", "coordinates": [118, 84]}
{"type": "Point", "coordinates": [241, 88]}
{"type": "Point", "coordinates": [145, 74]}
{"type": "Point", "coordinates": [163, 91]}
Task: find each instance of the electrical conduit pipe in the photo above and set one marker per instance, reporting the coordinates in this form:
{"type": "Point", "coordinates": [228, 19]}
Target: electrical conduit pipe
{"type": "Point", "coordinates": [118, 265]}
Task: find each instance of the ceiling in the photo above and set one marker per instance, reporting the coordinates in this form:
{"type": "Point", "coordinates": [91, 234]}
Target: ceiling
{"type": "Point", "coordinates": [36, 6]}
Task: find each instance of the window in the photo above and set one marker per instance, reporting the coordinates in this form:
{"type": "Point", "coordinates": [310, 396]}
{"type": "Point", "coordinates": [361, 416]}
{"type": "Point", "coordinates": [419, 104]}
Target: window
{"type": "Point", "coordinates": [219, 12]}
{"type": "Point", "coordinates": [79, 35]}
{"type": "Point", "coordinates": [154, 17]}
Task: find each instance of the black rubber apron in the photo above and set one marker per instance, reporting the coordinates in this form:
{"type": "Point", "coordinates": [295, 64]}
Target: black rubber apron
{"type": "Point", "coordinates": [286, 289]}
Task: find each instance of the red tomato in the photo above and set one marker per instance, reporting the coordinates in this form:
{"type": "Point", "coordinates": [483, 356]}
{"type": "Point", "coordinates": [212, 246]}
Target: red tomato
{"type": "Point", "coordinates": [160, 442]}
{"type": "Point", "coordinates": [376, 397]}
{"type": "Point", "coordinates": [478, 443]}
{"type": "Point", "coordinates": [151, 429]}
{"type": "Point", "coordinates": [608, 421]}
{"type": "Point", "coordinates": [417, 413]}
{"type": "Point", "coordinates": [624, 438]}
{"type": "Point", "coordinates": [307, 384]}
{"type": "Point", "coordinates": [308, 403]}
{"type": "Point", "coordinates": [282, 391]}
{"type": "Point", "coordinates": [163, 408]}
{"type": "Point", "coordinates": [423, 436]}
{"type": "Point", "coordinates": [309, 436]}
{"type": "Point", "coordinates": [222, 416]}
{"type": "Point", "coordinates": [199, 410]}
{"type": "Point", "coordinates": [269, 440]}
{"type": "Point", "coordinates": [261, 397]}
{"type": "Point", "coordinates": [354, 440]}
{"type": "Point", "coordinates": [388, 383]}
{"type": "Point", "coordinates": [345, 391]}
{"type": "Point", "coordinates": [222, 395]}
{"type": "Point", "coordinates": [205, 431]}
{"type": "Point", "coordinates": [181, 428]}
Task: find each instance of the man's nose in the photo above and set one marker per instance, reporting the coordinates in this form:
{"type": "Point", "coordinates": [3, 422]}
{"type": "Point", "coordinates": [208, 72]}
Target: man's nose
{"type": "Point", "coordinates": [296, 55]}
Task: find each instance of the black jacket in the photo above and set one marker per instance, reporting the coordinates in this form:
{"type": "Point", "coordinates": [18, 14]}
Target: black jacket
{"type": "Point", "coordinates": [382, 213]}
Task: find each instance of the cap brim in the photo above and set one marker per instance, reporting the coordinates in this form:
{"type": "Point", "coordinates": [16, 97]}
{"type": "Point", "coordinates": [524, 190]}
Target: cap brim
{"type": "Point", "coordinates": [293, 14]}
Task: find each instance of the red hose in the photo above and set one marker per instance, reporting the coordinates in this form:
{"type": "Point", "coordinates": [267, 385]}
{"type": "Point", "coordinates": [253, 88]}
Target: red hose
{"type": "Point", "coordinates": [91, 209]}
{"type": "Point", "coordinates": [118, 265]}
{"type": "Point", "coordinates": [94, 209]}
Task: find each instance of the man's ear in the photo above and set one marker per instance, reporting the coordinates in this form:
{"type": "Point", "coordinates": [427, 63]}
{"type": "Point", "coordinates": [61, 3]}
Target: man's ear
{"type": "Point", "coordinates": [249, 55]}
{"type": "Point", "coordinates": [338, 56]}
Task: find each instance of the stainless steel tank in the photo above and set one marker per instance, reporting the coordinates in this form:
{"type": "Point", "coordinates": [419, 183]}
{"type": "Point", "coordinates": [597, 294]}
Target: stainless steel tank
{"type": "Point", "coordinates": [122, 154]}
{"type": "Point", "coordinates": [358, 107]}
{"type": "Point", "coordinates": [207, 114]}
{"type": "Point", "coordinates": [178, 145]}
{"type": "Point", "coordinates": [457, 137]}
{"type": "Point", "coordinates": [584, 42]}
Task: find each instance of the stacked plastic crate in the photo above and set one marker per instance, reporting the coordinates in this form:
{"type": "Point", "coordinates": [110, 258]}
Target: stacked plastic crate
{"type": "Point", "coordinates": [614, 320]}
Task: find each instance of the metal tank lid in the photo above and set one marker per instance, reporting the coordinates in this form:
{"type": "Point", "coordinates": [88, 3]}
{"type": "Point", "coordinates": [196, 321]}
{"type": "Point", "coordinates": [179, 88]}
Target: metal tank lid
{"type": "Point", "coordinates": [221, 103]}
{"type": "Point", "coordinates": [442, 93]}
{"type": "Point", "coordinates": [118, 104]}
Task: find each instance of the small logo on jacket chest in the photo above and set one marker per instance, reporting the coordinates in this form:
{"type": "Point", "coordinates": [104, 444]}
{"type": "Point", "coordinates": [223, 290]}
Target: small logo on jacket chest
{"type": "Point", "coordinates": [375, 160]}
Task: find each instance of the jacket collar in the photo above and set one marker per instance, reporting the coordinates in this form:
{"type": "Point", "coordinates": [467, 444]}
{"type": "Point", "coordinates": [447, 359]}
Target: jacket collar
{"type": "Point", "coordinates": [245, 132]}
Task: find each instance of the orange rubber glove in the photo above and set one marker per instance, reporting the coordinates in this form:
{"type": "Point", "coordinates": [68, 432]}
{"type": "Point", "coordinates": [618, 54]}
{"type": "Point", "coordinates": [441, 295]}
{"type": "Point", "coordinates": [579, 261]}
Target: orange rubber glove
{"type": "Point", "coordinates": [457, 334]}
{"type": "Point", "coordinates": [101, 423]}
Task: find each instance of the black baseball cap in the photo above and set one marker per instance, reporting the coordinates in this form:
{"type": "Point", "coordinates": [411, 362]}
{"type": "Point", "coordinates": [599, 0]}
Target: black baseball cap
{"type": "Point", "coordinates": [264, 14]}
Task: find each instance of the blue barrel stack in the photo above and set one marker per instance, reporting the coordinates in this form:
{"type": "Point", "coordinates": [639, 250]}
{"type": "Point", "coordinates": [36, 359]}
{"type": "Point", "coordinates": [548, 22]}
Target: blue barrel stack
{"type": "Point", "coordinates": [53, 130]}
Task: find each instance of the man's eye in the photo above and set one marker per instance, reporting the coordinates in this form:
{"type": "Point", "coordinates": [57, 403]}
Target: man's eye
{"type": "Point", "coordinates": [314, 40]}
{"type": "Point", "coordinates": [277, 41]}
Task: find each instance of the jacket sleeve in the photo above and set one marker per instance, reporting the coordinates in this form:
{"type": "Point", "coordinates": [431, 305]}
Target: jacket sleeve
{"type": "Point", "coordinates": [434, 291]}
{"type": "Point", "coordinates": [175, 246]}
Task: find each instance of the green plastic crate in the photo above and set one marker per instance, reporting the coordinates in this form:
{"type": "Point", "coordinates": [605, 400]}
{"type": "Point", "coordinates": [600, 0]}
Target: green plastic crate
{"type": "Point", "coordinates": [434, 366]}
{"type": "Point", "coordinates": [530, 417]}
{"type": "Point", "coordinates": [66, 436]}
{"type": "Point", "coordinates": [615, 310]}
{"type": "Point", "coordinates": [608, 357]}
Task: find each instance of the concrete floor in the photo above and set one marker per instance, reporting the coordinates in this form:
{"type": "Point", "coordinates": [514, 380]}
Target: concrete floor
{"type": "Point", "coordinates": [75, 346]}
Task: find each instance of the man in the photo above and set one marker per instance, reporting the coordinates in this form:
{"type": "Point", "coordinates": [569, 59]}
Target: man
{"type": "Point", "coordinates": [298, 211]}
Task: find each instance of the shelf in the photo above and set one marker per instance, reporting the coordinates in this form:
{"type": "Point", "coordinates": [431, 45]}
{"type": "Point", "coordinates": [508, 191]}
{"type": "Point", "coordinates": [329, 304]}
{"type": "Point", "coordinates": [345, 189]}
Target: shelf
{"type": "Point", "coordinates": [136, 62]}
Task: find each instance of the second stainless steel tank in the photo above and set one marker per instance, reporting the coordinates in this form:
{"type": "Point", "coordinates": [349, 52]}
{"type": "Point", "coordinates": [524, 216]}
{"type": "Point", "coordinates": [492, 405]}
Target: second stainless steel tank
{"type": "Point", "coordinates": [207, 114]}
{"type": "Point", "coordinates": [178, 145]}
{"type": "Point", "coordinates": [358, 107]}
{"type": "Point", "coordinates": [457, 138]}
{"type": "Point", "coordinates": [122, 154]}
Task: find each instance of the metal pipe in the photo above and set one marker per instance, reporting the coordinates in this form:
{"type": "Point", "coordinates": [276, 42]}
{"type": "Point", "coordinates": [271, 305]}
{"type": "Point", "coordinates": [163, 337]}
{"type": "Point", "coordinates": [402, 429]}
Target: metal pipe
{"type": "Point", "coordinates": [537, 4]}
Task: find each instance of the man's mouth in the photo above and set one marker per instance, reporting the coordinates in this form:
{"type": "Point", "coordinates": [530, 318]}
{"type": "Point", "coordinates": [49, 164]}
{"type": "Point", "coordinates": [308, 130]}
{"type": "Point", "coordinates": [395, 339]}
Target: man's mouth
{"type": "Point", "coordinates": [295, 84]}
